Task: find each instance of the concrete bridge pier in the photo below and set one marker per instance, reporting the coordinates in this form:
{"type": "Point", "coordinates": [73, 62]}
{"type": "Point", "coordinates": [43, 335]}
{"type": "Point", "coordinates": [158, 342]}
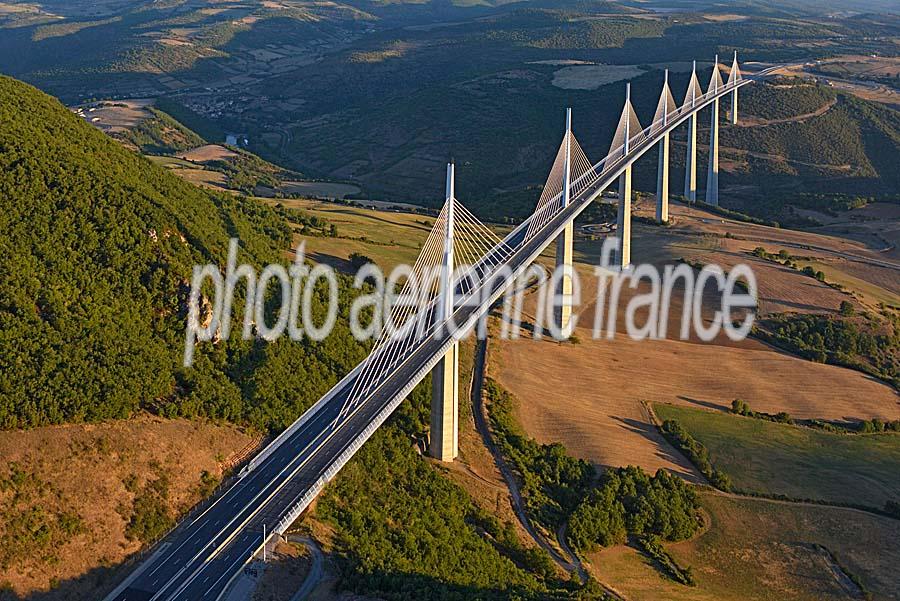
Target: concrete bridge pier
{"type": "Point", "coordinates": [712, 173]}
{"type": "Point", "coordinates": [565, 241]}
{"type": "Point", "coordinates": [444, 440]}
{"type": "Point", "coordinates": [662, 181]}
{"type": "Point", "coordinates": [733, 79]}
{"type": "Point", "coordinates": [734, 107]}
{"type": "Point", "coordinates": [623, 221]}
{"type": "Point", "coordinates": [690, 170]}
{"type": "Point", "coordinates": [564, 261]}
{"type": "Point", "coordinates": [444, 436]}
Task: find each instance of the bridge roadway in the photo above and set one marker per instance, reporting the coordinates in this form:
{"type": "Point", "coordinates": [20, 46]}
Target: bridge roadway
{"type": "Point", "coordinates": [201, 557]}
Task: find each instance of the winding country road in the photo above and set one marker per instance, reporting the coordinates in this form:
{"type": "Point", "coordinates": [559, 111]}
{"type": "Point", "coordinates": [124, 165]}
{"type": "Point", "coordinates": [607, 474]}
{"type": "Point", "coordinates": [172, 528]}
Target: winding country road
{"type": "Point", "coordinates": [478, 411]}
{"type": "Point", "coordinates": [316, 568]}
{"type": "Point", "coordinates": [571, 564]}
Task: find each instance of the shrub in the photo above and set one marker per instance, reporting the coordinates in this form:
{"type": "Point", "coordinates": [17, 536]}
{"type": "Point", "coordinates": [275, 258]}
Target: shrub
{"type": "Point", "coordinates": [654, 549]}
{"type": "Point", "coordinates": [150, 515]}
{"type": "Point", "coordinates": [695, 452]}
{"type": "Point", "coordinates": [628, 500]}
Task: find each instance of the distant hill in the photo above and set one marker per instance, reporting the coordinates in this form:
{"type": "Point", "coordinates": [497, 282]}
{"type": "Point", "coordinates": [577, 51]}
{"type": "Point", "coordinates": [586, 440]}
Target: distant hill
{"type": "Point", "coordinates": [812, 147]}
{"type": "Point", "coordinates": [97, 245]}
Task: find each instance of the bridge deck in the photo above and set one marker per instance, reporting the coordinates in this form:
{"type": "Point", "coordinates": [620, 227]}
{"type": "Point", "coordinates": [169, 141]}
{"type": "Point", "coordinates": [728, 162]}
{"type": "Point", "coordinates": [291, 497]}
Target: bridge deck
{"type": "Point", "coordinates": [204, 555]}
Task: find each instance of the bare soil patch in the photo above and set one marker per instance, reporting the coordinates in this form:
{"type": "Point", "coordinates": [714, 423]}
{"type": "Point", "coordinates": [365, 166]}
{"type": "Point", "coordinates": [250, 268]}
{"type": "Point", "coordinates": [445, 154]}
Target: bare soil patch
{"type": "Point", "coordinates": [113, 116]}
{"type": "Point", "coordinates": [284, 573]}
{"type": "Point", "coordinates": [92, 471]}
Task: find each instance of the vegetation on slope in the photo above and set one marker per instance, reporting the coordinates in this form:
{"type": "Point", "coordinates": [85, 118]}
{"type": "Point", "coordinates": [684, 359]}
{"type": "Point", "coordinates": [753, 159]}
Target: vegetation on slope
{"type": "Point", "coordinates": [245, 172]}
{"type": "Point", "coordinates": [160, 134]}
{"type": "Point", "coordinates": [870, 345]}
{"type": "Point", "coordinates": [553, 483]}
{"type": "Point", "coordinates": [790, 99]}
{"type": "Point", "coordinates": [630, 501]}
{"type": "Point", "coordinates": [836, 160]}
{"type": "Point", "coordinates": [97, 246]}
{"type": "Point", "coordinates": [406, 532]}
{"type": "Point", "coordinates": [30, 529]}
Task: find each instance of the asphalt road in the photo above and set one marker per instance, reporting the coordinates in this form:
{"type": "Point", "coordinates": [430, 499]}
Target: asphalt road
{"type": "Point", "coordinates": [202, 556]}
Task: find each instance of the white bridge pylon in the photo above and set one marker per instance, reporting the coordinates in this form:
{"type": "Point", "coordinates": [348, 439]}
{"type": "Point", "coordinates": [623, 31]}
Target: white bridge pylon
{"type": "Point", "coordinates": [461, 254]}
{"type": "Point", "coordinates": [457, 255]}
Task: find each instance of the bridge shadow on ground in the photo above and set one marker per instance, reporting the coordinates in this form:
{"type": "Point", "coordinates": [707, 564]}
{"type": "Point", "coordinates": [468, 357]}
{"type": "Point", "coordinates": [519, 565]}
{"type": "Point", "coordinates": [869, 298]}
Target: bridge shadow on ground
{"type": "Point", "coordinates": [342, 265]}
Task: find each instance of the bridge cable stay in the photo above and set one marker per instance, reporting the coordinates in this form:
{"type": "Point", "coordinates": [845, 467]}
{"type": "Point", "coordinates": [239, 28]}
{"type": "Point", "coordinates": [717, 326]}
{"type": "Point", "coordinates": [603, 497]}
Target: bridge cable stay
{"type": "Point", "coordinates": [694, 91]}
{"type": "Point", "coordinates": [734, 75]}
{"type": "Point", "coordinates": [715, 80]}
{"type": "Point", "coordinates": [482, 249]}
{"type": "Point", "coordinates": [553, 186]}
{"type": "Point", "coordinates": [397, 319]}
{"type": "Point", "coordinates": [478, 251]}
{"type": "Point", "coordinates": [665, 107]}
{"type": "Point", "coordinates": [582, 173]}
{"type": "Point", "coordinates": [628, 132]}
{"type": "Point", "coordinates": [734, 78]}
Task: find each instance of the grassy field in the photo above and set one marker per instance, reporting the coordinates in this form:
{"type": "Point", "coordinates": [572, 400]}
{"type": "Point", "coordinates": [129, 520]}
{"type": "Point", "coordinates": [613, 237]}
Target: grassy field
{"type": "Point", "coordinates": [761, 550]}
{"type": "Point", "coordinates": [762, 456]}
{"type": "Point", "coordinates": [192, 172]}
{"type": "Point", "coordinates": [387, 238]}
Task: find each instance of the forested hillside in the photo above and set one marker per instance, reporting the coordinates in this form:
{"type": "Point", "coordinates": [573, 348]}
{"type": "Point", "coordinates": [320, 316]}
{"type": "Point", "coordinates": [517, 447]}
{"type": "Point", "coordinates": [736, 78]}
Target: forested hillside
{"type": "Point", "coordinates": [805, 139]}
{"type": "Point", "coordinates": [97, 245]}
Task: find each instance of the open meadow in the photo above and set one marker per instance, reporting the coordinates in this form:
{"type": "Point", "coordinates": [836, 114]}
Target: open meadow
{"type": "Point", "coordinates": [761, 550]}
{"type": "Point", "coordinates": [388, 238]}
{"type": "Point", "coordinates": [799, 462]}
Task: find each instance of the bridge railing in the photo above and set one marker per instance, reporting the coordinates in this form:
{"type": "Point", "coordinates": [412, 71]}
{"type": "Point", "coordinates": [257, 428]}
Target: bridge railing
{"type": "Point", "coordinates": [646, 137]}
{"type": "Point", "coordinates": [582, 183]}
{"type": "Point", "coordinates": [393, 353]}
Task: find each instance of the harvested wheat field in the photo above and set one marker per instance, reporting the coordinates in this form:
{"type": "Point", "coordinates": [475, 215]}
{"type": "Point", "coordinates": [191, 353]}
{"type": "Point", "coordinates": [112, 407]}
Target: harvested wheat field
{"type": "Point", "coordinates": [696, 219]}
{"type": "Point", "coordinates": [588, 394]}
{"type": "Point", "coordinates": [210, 152]}
{"type": "Point", "coordinates": [700, 238]}
{"type": "Point", "coordinates": [80, 482]}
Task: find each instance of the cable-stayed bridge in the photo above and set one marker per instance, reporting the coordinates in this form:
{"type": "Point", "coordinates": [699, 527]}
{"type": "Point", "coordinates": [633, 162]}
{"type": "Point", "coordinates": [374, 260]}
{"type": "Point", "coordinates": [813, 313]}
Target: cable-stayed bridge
{"type": "Point", "coordinates": [462, 269]}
